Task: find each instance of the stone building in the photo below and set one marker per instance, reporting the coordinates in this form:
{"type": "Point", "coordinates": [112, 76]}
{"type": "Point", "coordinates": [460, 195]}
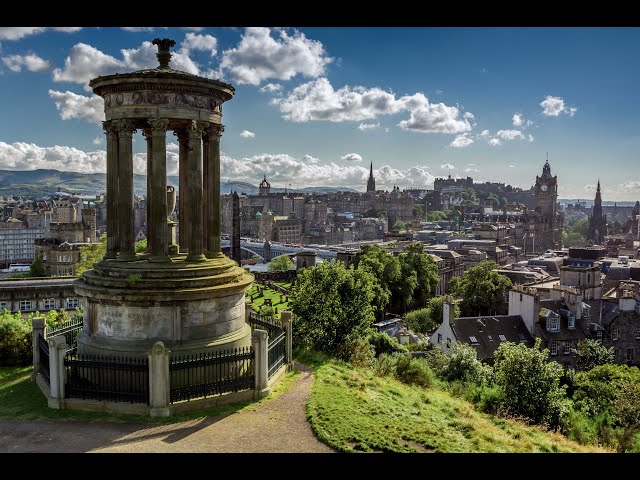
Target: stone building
{"type": "Point", "coordinates": [27, 295]}
{"type": "Point", "coordinates": [17, 242]}
{"type": "Point", "coordinates": [597, 220]}
{"type": "Point", "coordinates": [60, 258]}
{"type": "Point", "coordinates": [621, 322]}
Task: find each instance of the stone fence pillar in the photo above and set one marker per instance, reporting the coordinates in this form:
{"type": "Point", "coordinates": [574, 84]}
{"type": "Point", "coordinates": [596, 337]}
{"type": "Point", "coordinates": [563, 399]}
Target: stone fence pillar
{"type": "Point", "coordinates": [260, 341]}
{"type": "Point", "coordinates": [57, 351]}
{"type": "Point", "coordinates": [286, 318]}
{"type": "Point", "coordinates": [159, 380]}
{"type": "Point", "coordinates": [39, 328]}
{"type": "Point", "coordinates": [247, 311]}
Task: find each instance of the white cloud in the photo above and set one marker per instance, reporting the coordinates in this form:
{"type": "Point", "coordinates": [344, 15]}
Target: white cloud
{"type": "Point", "coordinates": [629, 186]}
{"type": "Point", "coordinates": [469, 115]}
{"type": "Point", "coordinates": [247, 134]}
{"type": "Point", "coordinates": [310, 159]}
{"type": "Point", "coordinates": [512, 166]}
{"type": "Point", "coordinates": [510, 134]}
{"type": "Point", "coordinates": [554, 106]}
{"type": "Point", "coordinates": [194, 41]}
{"type": "Point", "coordinates": [173, 147]}
{"type": "Point", "coordinates": [461, 141]}
{"type": "Point", "coordinates": [447, 166]}
{"type": "Point", "coordinates": [470, 170]}
{"type": "Point", "coordinates": [531, 139]}
{"type": "Point", "coordinates": [138, 29]}
{"type": "Point", "coordinates": [16, 33]}
{"type": "Point", "coordinates": [259, 56]}
{"type": "Point", "coordinates": [517, 120]}
{"type": "Point", "coordinates": [368, 126]}
{"type": "Point", "coordinates": [495, 142]}
{"type": "Point", "coordinates": [31, 62]}
{"type": "Point", "coordinates": [28, 156]}
{"type": "Point", "coordinates": [71, 105]}
{"type": "Point", "coordinates": [271, 88]}
{"type": "Point", "coordinates": [97, 140]}
{"type": "Point", "coordinates": [351, 157]}
{"type": "Point", "coordinates": [485, 133]}
{"type": "Point", "coordinates": [317, 100]}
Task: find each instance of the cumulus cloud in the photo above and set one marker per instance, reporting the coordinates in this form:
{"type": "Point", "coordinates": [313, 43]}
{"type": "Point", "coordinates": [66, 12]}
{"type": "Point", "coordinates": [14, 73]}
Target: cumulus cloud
{"type": "Point", "coordinates": [461, 141]}
{"type": "Point", "coordinates": [510, 134]}
{"type": "Point", "coordinates": [530, 137]}
{"type": "Point", "coordinates": [368, 126]}
{"type": "Point", "coordinates": [495, 142]}
{"type": "Point", "coordinates": [318, 100]}
{"type": "Point", "coordinates": [310, 159]}
{"type": "Point", "coordinates": [517, 120]}
{"type": "Point", "coordinates": [259, 56]}
{"type": "Point", "coordinates": [630, 186]}
{"type": "Point", "coordinates": [16, 33]}
{"type": "Point", "coordinates": [447, 166]}
{"type": "Point", "coordinates": [194, 41]}
{"type": "Point", "coordinates": [28, 156]}
{"type": "Point", "coordinates": [138, 29]}
{"type": "Point", "coordinates": [470, 170]}
{"type": "Point", "coordinates": [351, 157]}
{"type": "Point", "coordinates": [247, 134]}
{"type": "Point", "coordinates": [97, 140]}
{"type": "Point", "coordinates": [271, 88]}
{"type": "Point", "coordinates": [31, 62]}
{"type": "Point", "coordinates": [554, 106]}
{"type": "Point", "coordinates": [485, 133]}
{"type": "Point", "coordinates": [71, 105]}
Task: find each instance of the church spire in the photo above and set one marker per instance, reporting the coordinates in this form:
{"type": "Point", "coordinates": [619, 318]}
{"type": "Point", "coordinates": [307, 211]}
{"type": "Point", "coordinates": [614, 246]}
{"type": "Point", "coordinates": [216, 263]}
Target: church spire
{"type": "Point", "coordinates": [371, 183]}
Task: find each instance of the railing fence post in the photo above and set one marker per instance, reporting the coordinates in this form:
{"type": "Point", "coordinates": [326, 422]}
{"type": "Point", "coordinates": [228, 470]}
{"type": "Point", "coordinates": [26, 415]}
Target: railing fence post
{"type": "Point", "coordinates": [57, 352]}
{"type": "Point", "coordinates": [39, 328]}
{"type": "Point", "coordinates": [247, 311]}
{"type": "Point", "coordinates": [159, 381]}
{"type": "Point", "coordinates": [260, 341]}
{"type": "Point", "coordinates": [286, 318]}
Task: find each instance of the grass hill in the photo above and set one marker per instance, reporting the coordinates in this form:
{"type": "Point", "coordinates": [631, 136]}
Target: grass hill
{"type": "Point", "coordinates": [353, 410]}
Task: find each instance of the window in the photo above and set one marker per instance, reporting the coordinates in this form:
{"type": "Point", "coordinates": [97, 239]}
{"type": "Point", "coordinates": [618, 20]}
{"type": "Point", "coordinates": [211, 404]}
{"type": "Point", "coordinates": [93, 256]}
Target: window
{"type": "Point", "coordinates": [615, 333]}
{"type": "Point", "coordinates": [490, 338]}
{"type": "Point", "coordinates": [49, 304]}
{"type": "Point", "coordinates": [439, 338]}
{"type": "Point", "coordinates": [25, 305]}
{"type": "Point", "coordinates": [566, 349]}
{"type": "Point", "coordinates": [4, 305]}
{"type": "Point", "coordinates": [599, 335]}
{"type": "Point", "coordinates": [72, 302]}
{"type": "Point", "coordinates": [637, 329]}
{"type": "Point", "coordinates": [572, 322]}
{"type": "Point", "coordinates": [502, 338]}
{"type": "Point", "coordinates": [553, 347]}
{"type": "Point", "coordinates": [448, 343]}
{"type": "Point", "coordinates": [629, 354]}
{"type": "Point", "coordinates": [474, 340]}
{"type": "Point", "coordinates": [553, 324]}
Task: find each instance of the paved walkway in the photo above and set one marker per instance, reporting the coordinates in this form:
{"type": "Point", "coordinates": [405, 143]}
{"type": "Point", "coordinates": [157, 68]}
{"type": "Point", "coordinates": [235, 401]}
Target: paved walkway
{"type": "Point", "coordinates": [278, 425]}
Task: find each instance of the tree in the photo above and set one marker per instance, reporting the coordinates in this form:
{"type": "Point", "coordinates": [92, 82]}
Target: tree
{"type": "Point", "coordinates": [529, 383]}
{"type": "Point", "coordinates": [436, 216]}
{"type": "Point", "coordinates": [573, 239]}
{"type": "Point", "coordinates": [591, 353]}
{"type": "Point", "coordinates": [482, 289]}
{"type": "Point", "coordinates": [385, 269]}
{"type": "Point", "coordinates": [332, 305]}
{"type": "Point", "coordinates": [418, 211]}
{"type": "Point", "coordinates": [281, 263]}
{"type": "Point", "coordinates": [90, 254]}
{"type": "Point", "coordinates": [464, 365]}
{"type": "Point", "coordinates": [426, 320]}
{"type": "Point", "coordinates": [419, 275]}
{"type": "Point", "coordinates": [399, 225]}
{"type": "Point", "coordinates": [36, 269]}
{"type": "Point", "coordinates": [15, 339]}
{"type": "Point", "coordinates": [140, 246]}
{"type": "Point", "coordinates": [595, 390]}
{"type": "Point", "coordinates": [626, 411]}
{"type": "Point", "coordinates": [582, 227]}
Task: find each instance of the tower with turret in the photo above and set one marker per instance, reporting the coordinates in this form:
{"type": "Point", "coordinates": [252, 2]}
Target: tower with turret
{"type": "Point", "coordinates": [597, 221]}
{"type": "Point", "coordinates": [371, 183]}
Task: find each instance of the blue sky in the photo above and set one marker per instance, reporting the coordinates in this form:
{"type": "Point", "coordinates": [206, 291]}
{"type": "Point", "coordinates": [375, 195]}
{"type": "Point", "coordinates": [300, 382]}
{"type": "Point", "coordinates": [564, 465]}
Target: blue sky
{"type": "Point", "coordinates": [314, 106]}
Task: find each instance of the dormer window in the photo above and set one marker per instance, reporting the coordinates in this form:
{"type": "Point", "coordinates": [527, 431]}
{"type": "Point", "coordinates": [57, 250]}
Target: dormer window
{"type": "Point", "coordinates": [572, 321]}
{"type": "Point", "coordinates": [553, 324]}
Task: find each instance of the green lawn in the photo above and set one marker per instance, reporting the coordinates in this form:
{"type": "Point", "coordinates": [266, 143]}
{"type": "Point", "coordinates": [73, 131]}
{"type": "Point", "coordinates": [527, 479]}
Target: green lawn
{"type": "Point", "coordinates": [21, 399]}
{"type": "Point", "coordinates": [353, 410]}
{"type": "Point", "coordinates": [283, 284]}
{"type": "Point", "coordinates": [257, 302]}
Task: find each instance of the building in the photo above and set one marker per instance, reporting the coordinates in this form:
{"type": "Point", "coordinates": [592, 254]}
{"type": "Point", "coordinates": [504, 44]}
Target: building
{"type": "Point", "coordinates": [620, 322]}
{"type": "Point", "coordinates": [17, 241]}
{"type": "Point", "coordinates": [371, 182]}
{"type": "Point", "coordinates": [597, 220]}
{"type": "Point", "coordinates": [43, 294]}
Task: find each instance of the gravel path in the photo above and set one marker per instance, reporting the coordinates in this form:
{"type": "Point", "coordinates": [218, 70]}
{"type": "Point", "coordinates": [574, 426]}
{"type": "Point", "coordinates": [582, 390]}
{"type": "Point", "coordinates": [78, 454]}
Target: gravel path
{"type": "Point", "coordinates": [279, 425]}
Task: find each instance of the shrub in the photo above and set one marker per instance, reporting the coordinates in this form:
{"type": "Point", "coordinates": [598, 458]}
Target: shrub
{"type": "Point", "coordinates": [579, 427]}
{"type": "Point", "coordinates": [464, 365]}
{"type": "Point", "coordinates": [420, 321]}
{"type": "Point", "coordinates": [383, 343]}
{"type": "Point", "coordinates": [386, 365]}
{"type": "Point", "coordinates": [414, 371]}
{"type": "Point", "coordinates": [359, 352]}
{"type": "Point", "coordinates": [15, 339]}
{"type": "Point", "coordinates": [417, 347]}
{"type": "Point", "coordinates": [437, 361]}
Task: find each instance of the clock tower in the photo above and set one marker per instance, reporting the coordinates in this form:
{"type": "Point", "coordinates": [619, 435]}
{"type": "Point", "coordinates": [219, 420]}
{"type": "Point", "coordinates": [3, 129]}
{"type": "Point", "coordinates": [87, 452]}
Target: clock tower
{"type": "Point", "coordinates": [546, 193]}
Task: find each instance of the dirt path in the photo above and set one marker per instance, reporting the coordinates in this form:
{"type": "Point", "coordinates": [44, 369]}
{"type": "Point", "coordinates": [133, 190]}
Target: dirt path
{"type": "Point", "coordinates": [278, 425]}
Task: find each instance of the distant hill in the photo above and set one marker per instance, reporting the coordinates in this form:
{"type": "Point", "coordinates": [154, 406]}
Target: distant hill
{"type": "Point", "coordinates": [44, 182]}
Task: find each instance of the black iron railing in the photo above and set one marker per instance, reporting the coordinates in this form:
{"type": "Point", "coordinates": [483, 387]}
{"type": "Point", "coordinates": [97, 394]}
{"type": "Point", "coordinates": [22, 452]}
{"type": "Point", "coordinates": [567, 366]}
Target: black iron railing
{"type": "Point", "coordinates": [207, 374]}
{"type": "Point", "coordinates": [271, 325]}
{"type": "Point", "coordinates": [70, 329]}
{"type": "Point", "coordinates": [275, 353]}
{"type": "Point", "coordinates": [43, 365]}
{"type": "Point", "coordinates": [112, 379]}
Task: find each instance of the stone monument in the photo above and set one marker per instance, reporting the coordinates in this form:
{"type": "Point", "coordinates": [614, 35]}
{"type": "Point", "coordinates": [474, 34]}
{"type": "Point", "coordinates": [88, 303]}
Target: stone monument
{"type": "Point", "coordinates": [186, 294]}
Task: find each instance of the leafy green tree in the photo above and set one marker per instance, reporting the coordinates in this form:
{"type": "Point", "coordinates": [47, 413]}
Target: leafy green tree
{"type": "Point", "coordinates": [530, 384]}
{"type": "Point", "coordinates": [385, 269]}
{"type": "Point", "coordinates": [418, 211]}
{"type": "Point", "coordinates": [591, 353]}
{"type": "Point", "coordinates": [36, 269]}
{"type": "Point", "coordinates": [140, 246]}
{"type": "Point", "coordinates": [426, 320]}
{"type": "Point", "coordinates": [419, 275]}
{"type": "Point", "coordinates": [332, 305]}
{"type": "Point", "coordinates": [595, 390]}
{"type": "Point", "coordinates": [90, 254]}
{"type": "Point", "coordinates": [464, 365]}
{"type": "Point", "coordinates": [399, 225]}
{"type": "Point", "coordinates": [582, 227]}
{"type": "Point", "coordinates": [436, 216]}
{"type": "Point", "coordinates": [469, 196]}
{"type": "Point", "coordinates": [281, 263]}
{"type": "Point", "coordinates": [573, 239]}
{"type": "Point", "coordinates": [15, 339]}
{"type": "Point", "coordinates": [626, 412]}
{"type": "Point", "coordinates": [481, 289]}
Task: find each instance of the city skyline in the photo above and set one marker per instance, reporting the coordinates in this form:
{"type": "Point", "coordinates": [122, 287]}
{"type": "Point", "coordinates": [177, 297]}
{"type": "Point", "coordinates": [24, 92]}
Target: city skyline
{"type": "Point", "coordinates": [314, 106]}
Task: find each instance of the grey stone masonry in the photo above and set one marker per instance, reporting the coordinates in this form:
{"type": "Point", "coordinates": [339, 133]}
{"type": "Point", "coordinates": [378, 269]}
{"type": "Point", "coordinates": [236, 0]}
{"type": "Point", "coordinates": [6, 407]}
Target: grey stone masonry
{"type": "Point", "coordinates": [286, 319]}
{"type": "Point", "coordinates": [159, 380]}
{"type": "Point", "coordinates": [57, 352]}
{"type": "Point", "coordinates": [39, 327]}
{"type": "Point", "coordinates": [260, 341]}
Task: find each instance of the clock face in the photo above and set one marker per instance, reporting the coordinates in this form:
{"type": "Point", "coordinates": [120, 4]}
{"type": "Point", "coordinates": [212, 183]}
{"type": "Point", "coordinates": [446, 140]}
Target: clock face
{"type": "Point", "coordinates": [544, 187]}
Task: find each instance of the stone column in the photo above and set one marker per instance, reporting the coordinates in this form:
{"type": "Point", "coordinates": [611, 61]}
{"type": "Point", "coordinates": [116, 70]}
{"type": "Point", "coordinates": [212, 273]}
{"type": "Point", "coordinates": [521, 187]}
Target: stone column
{"type": "Point", "coordinates": [147, 134]}
{"type": "Point", "coordinates": [125, 189]}
{"type": "Point", "coordinates": [286, 318]}
{"type": "Point", "coordinates": [206, 191]}
{"type": "Point", "coordinates": [194, 186]}
{"type": "Point", "coordinates": [57, 352]}
{"type": "Point", "coordinates": [183, 192]}
{"type": "Point", "coordinates": [247, 311]}
{"type": "Point", "coordinates": [38, 327]}
{"type": "Point", "coordinates": [212, 191]}
{"type": "Point", "coordinates": [159, 381]}
{"type": "Point", "coordinates": [113, 241]}
{"type": "Point", "coordinates": [158, 205]}
{"type": "Point", "coordinates": [260, 342]}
